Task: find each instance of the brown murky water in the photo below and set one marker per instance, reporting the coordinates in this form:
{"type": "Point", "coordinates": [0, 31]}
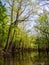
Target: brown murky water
{"type": "Point", "coordinates": [25, 58]}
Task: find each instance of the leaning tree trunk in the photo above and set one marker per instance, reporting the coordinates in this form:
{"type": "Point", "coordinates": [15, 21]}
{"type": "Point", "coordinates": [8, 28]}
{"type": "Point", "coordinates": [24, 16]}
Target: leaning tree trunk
{"type": "Point", "coordinates": [10, 28]}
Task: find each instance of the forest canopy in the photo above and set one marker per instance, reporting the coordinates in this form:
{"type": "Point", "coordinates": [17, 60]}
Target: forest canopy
{"type": "Point", "coordinates": [24, 25]}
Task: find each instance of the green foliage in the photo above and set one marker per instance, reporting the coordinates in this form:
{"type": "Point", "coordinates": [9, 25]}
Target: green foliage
{"type": "Point", "coordinates": [22, 39]}
{"type": "Point", "coordinates": [3, 25]}
{"type": "Point", "coordinates": [43, 30]}
{"type": "Point", "coordinates": [10, 33]}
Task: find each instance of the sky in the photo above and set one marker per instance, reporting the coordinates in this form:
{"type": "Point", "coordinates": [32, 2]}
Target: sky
{"type": "Point", "coordinates": [42, 4]}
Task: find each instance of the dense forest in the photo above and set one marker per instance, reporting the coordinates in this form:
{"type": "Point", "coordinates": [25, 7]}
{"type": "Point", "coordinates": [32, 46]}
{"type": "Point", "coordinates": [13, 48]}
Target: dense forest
{"type": "Point", "coordinates": [16, 18]}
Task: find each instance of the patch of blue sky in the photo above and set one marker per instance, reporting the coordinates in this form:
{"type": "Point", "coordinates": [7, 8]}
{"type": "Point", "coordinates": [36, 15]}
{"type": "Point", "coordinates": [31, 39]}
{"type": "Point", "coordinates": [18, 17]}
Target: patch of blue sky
{"type": "Point", "coordinates": [44, 5]}
{"type": "Point", "coordinates": [4, 2]}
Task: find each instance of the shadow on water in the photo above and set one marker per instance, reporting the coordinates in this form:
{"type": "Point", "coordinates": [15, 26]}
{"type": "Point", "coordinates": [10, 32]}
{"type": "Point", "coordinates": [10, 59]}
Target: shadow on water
{"type": "Point", "coordinates": [25, 58]}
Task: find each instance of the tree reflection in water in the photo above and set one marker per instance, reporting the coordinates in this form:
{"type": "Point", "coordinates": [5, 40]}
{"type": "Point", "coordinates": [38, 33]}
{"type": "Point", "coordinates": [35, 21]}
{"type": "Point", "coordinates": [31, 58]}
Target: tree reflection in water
{"type": "Point", "coordinates": [25, 58]}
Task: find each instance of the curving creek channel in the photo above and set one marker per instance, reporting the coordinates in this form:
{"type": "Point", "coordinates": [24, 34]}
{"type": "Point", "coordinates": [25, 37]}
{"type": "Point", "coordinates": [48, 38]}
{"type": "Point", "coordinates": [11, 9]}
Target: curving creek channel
{"type": "Point", "coordinates": [25, 58]}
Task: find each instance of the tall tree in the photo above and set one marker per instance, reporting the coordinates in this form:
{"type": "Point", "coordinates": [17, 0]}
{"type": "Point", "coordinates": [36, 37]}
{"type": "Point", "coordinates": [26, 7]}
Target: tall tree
{"type": "Point", "coordinates": [43, 30]}
{"type": "Point", "coordinates": [3, 24]}
{"type": "Point", "coordinates": [20, 11]}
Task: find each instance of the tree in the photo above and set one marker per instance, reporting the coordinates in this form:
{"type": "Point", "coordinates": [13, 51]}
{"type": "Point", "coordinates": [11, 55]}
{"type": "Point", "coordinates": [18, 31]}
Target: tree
{"type": "Point", "coordinates": [43, 30]}
{"type": "Point", "coordinates": [3, 25]}
{"type": "Point", "coordinates": [20, 11]}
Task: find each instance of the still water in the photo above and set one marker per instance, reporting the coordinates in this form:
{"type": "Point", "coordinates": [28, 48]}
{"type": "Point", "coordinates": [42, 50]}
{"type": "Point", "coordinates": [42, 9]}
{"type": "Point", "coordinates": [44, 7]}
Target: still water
{"type": "Point", "coordinates": [25, 58]}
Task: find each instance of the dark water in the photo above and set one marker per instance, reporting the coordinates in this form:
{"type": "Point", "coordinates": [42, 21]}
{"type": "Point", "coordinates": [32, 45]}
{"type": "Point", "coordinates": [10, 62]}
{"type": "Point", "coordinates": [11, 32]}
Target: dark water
{"type": "Point", "coordinates": [25, 58]}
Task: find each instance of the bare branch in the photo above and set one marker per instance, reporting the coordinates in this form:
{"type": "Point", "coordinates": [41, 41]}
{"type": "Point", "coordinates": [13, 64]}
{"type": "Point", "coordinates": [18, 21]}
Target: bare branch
{"type": "Point", "coordinates": [23, 10]}
{"type": "Point", "coordinates": [45, 4]}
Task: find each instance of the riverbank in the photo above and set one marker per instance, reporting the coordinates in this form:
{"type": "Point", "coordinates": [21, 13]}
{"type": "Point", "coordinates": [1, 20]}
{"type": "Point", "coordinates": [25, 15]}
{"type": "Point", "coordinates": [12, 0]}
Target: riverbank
{"type": "Point", "coordinates": [2, 52]}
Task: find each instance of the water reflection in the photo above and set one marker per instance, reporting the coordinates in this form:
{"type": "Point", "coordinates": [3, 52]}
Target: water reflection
{"type": "Point", "coordinates": [25, 58]}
